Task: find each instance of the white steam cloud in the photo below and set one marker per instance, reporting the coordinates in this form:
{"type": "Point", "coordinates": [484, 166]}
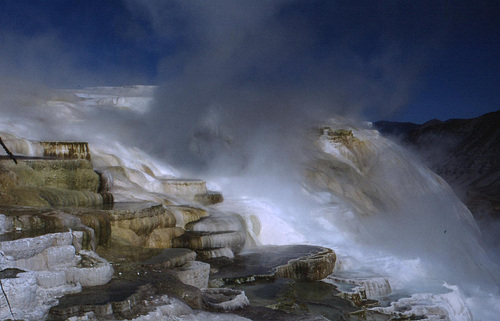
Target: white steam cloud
{"type": "Point", "coordinates": [242, 68]}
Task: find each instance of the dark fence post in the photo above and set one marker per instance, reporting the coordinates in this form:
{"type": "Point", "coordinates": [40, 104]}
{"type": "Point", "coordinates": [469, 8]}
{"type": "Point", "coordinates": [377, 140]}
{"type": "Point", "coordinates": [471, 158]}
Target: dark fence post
{"type": "Point", "coordinates": [8, 151]}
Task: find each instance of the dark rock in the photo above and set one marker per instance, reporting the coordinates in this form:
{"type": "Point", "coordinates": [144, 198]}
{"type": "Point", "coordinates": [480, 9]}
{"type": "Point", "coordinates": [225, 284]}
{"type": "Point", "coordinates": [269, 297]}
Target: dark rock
{"type": "Point", "coordinates": [465, 152]}
{"type": "Point", "coordinates": [153, 266]}
{"type": "Point", "coordinates": [219, 254]}
{"type": "Point", "coordinates": [286, 299]}
{"type": "Point", "coordinates": [301, 262]}
{"type": "Point", "coordinates": [120, 299]}
{"type": "Point", "coordinates": [23, 221]}
{"type": "Point", "coordinates": [394, 128]}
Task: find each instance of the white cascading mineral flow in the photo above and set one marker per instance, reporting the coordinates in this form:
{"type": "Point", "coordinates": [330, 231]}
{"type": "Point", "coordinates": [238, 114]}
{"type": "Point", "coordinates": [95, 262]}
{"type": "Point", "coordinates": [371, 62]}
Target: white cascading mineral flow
{"type": "Point", "coordinates": [343, 187]}
{"type": "Point", "coordinates": [383, 212]}
{"type": "Point", "coordinates": [395, 203]}
{"type": "Point", "coordinates": [407, 221]}
{"type": "Point", "coordinates": [390, 201]}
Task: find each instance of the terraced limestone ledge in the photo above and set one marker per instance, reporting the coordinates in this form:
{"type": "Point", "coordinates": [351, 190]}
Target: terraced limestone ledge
{"type": "Point", "coordinates": [131, 224]}
{"type": "Point", "coordinates": [299, 262]}
{"type": "Point", "coordinates": [49, 182]}
{"type": "Point", "coordinates": [66, 150]}
{"type": "Point", "coordinates": [48, 266]}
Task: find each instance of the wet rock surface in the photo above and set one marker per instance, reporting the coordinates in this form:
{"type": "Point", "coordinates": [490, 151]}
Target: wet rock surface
{"type": "Point", "coordinates": [118, 299]}
{"type": "Point", "coordinates": [157, 267]}
{"type": "Point", "coordinates": [170, 271]}
{"type": "Point", "coordinates": [215, 237]}
{"type": "Point", "coordinates": [21, 222]}
{"type": "Point", "coordinates": [142, 274]}
{"type": "Point", "coordinates": [360, 289]}
{"type": "Point", "coordinates": [289, 261]}
{"type": "Point", "coordinates": [216, 223]}
{"type": "Point", "coordinates": [225, 299]}
{"type": "Point", "coordinates": [286, 299]}
{"type": "Point", "coordinates": [194, 273]}
{"type": "Point", "coordinates": [139, 221]}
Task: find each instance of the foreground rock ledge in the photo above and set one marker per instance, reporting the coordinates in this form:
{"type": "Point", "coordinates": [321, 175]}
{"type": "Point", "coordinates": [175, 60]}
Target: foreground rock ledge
{"type": "Point", "coordinates": [299, 262]}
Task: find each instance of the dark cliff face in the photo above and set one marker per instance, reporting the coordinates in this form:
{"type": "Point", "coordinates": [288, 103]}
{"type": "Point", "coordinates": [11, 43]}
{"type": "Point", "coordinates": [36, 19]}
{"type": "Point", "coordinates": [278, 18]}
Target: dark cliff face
{"type": "Point", "coordinates": [465, 152]}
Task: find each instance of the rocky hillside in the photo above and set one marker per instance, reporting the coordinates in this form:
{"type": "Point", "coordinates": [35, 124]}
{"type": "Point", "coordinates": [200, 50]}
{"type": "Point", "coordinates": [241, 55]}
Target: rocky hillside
{"type": "Point", "coordinates": [465, 152]}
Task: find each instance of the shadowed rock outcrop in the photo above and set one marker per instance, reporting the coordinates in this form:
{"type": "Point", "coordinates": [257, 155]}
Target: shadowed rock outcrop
{"type": "Point", "coordinates": [21, 222]}
{"type": "Point", "coordinates": [116, 299]}
{"type": "Point", "coordinates": [171, 271]}
{"type": "Point", "coordinates": [300, 262]}
{"type": "Point", "coordinates": [465, 152]}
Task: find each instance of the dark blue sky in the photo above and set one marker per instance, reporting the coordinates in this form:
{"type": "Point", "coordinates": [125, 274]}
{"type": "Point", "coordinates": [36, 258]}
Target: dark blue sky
{"type": "Point", "coordinates": [399, 60]}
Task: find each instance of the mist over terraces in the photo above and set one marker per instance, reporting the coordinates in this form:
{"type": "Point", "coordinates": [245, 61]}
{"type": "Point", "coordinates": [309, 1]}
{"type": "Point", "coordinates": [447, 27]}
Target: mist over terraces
{"type": "Point", "coordinates": [70, 250]}
{"type": "Point", "coordinates": [94, 228]}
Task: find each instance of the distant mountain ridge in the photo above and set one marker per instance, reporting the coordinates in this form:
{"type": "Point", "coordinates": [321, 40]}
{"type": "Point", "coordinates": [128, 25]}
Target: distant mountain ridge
{"type": "Point", "coordinates": [465, 152]}
{"type": "Point", "coordinates": [391, 128]}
